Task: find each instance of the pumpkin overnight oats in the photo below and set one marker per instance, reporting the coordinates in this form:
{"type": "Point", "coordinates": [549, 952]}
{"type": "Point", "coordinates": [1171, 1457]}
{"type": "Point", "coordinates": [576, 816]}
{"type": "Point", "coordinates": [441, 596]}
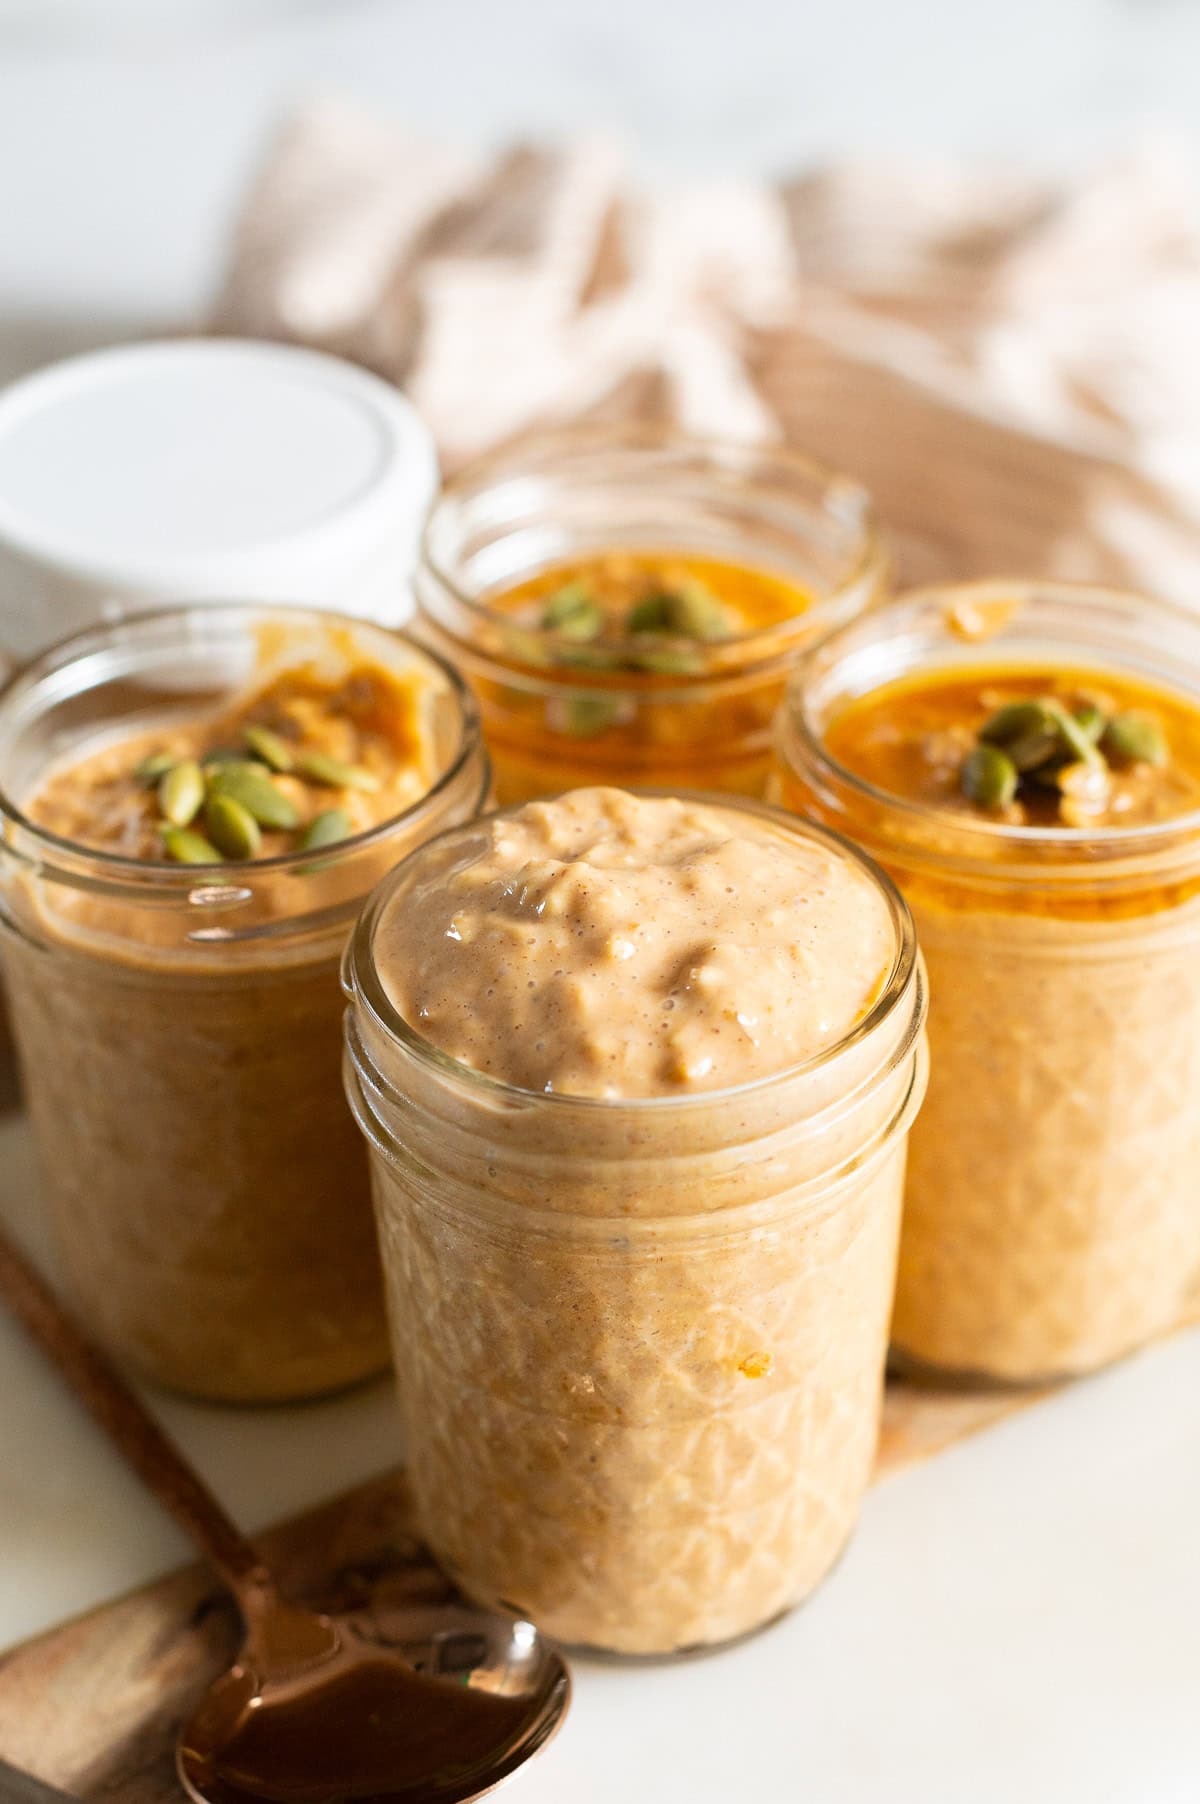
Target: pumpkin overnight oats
{"type": "Point", "coordinates": [637, 1075]}
{"type": "Point", "coordinates": [195, 805]}
{"type": "Point", "coordinates": [1026, 762]}
{"type": "Point", "coordinates": [627, 603]}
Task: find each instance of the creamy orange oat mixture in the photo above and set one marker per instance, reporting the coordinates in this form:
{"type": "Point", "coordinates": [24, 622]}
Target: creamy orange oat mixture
{"type": "Point", "coordinates": [1029, 746]}
{"type": "Point", "coordinates": [623, 667]}
{"type": "Point", "coordinates": [1051, 1221]}
{"type": "Point", "coordinates": [648, 610]}
{"type": "Point", "coordinates": [600, 946]}
{"type": "Point", "coordinates": [639, 1301]}
{"type": "Point", "coordinates": [182, 1066]}
{"type": "Point", "coordinates": [306, 748]}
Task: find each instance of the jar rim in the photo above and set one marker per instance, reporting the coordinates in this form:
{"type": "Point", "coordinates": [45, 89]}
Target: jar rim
{"type": "Point", "coordinates": [361, 983]}
{"type": "Point", "coordinates": [70, 650]}
{"type": "Point", "coordinates": [840, 494]}
{"type": "Point", "coordinates": [981, 836]}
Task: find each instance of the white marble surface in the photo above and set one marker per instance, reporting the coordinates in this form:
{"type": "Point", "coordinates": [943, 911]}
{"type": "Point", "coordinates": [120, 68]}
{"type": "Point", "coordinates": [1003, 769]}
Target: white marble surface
{"type": "Point", "coordinates": [1018, 1619]}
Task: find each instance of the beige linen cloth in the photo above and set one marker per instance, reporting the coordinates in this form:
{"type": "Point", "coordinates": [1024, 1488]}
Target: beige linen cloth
{"type": "Point", "coordinates": [1011, 366]}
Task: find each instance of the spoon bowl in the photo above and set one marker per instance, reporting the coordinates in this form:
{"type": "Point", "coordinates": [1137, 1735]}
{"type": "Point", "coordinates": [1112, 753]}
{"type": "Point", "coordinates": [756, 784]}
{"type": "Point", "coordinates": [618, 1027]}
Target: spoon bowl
{"type": "Point", "coordinates": [395, 1702]}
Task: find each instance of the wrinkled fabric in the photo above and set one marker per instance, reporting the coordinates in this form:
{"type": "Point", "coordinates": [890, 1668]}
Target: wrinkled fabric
{"type": "Point", "coordinates": [1007, 362]}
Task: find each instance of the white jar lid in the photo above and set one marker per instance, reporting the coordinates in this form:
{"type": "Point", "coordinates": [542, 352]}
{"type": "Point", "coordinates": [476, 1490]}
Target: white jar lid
{"type": "Point", "coordinates": [206, 469]}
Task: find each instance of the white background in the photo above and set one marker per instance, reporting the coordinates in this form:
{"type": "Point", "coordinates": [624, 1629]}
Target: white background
{"type": "Point", "coordinates": [1019, 1619]}
{"type": "Point", "coordinates": [127, 127]}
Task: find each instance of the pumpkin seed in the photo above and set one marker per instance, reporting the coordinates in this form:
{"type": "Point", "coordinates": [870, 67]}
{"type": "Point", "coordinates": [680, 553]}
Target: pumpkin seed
{"type": "Point", "coordinates": [1092, 720]}
{"type": "Point", "coordinates": [249, 784]}
{"type": "Point", "coordinates": [698, 613]}
{"type": "Point", "coordinates": [153, 769]}
{"type": "Point", "coordinates": [583, 716]}
{"type": "Point", "coordinates": [988, 777]}
{"type": "Point", "coordinates": [1036, 731]}
{"type": "Point", "coordinates": [1031, 751]}
{"type": "Point", "coordinates": [1134, 738]}
{"type": "Point", "coordinates": [325, 829]}
{"type": "Point", "coordinates": [669, 660]}
{"type": "Point", "coordinates": [572, 612]}
{"type": "Point", "coordinates": [691, 612]}
{"type": "Point", "coordinates": [650, 615]}
{"type": "Point", "coordinates": [1015, 721]}
{"type": "Point", "coordinates": [274, 752]}
{"type": "Point", "coordinates": [231, 827]}
{"type": "Point", "coordinates": [181, 792]}
{"type": "Point", "coordinates": [1075, 740]}
{"type": "Point", "coordinates": [186, 846]}
{"type": "Point", "coordinates": [319, 767]}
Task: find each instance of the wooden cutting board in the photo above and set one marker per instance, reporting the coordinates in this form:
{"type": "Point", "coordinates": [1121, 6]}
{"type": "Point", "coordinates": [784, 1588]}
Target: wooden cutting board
{"type": "Point", "coordinates": [94, 1705]}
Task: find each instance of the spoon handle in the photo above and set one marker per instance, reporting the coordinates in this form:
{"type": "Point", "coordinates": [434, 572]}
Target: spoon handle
{"type": "Point", "coordinates": [132, 1430]}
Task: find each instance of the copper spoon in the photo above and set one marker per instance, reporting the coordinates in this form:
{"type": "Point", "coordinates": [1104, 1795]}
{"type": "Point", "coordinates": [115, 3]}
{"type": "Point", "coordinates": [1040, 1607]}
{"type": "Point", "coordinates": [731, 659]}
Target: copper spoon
{"type": "Point", "coordinates": [401, 1701]}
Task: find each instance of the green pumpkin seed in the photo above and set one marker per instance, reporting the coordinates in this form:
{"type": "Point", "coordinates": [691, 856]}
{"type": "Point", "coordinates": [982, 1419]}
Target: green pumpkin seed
{"type": "Point", "coordinates": [572, 612]}
{"type": "Point", "coordinates": [186, 846]}
{"type": "Point", "coordinates": [231, 827]}
{"type": "Point", "coordinates": [1035, 732]}
{"type": "Point", "coordinates": [153, 769]}
{"type": "Point", "coordinates": [583, 716]}
{"type": "Point", "coordinates": [692, 612]}
{"type": "Point", "coordinates": [650, 615]}
{"type": "Point", "coordinates": [325, 829]}
{"type": "Point", "coordinates": [274, 752]}
{"type": "Point", "coordinates": [988, 777]}
{"type": "Point", "coordinates": [699, 614]}
{"type": "Point", "coordinates": [181, 793]}
{"type": "Point", "coordinates": [224, 754]}
{"type": "Point", "coordinates": [249, 784]}
{"type": "Point", "coordinates": [668, 660]}
{"type": "Point", "coordinates": [318, 767]}
{"type": "Point", "coordinates": [1092, 720]}
{"type": "Point", "coordinates": [1134, 738]}
{"type": "Point", "coordinates": [1075, 740]}
{"type": "Point", "coordinates": [1015, 721]}
{"type": "Point", "coordinates": [1031, 752]}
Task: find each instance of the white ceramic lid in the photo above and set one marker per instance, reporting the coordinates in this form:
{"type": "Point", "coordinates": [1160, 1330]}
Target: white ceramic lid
{"type": "Point", "coordinates": [207, 468]}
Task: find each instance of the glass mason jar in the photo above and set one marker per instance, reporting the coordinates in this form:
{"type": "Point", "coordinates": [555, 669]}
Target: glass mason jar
{"type": "Point", "coordinates": [1051, 1220]}
{"type": "Point", "coordinates": [640, 1343]}
{"type": "Point", "coordinates": [179, 1027]}
{"type": "Point", "coordinates": [558, 496]}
